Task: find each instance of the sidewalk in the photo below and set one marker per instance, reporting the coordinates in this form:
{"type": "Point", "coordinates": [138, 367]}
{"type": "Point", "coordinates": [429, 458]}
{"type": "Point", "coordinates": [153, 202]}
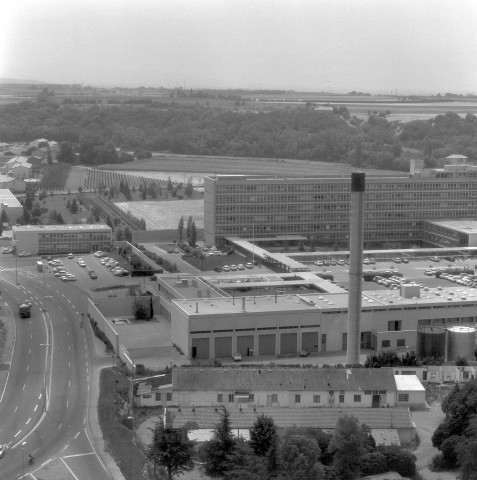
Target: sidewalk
{"type": "Point", "coordinates": [99, 361]}
{"type": "Point", "coordinates": [6, 355]}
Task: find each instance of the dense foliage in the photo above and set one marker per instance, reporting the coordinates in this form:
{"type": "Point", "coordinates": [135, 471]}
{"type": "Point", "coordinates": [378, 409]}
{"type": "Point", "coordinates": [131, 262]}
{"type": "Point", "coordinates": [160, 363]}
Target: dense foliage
{"type": "Point", "coordinates": [456, 436]}
{"type": "Point", "coordinates": [301, 453]}
{"type": "Point", "coordinates": [298, 133]}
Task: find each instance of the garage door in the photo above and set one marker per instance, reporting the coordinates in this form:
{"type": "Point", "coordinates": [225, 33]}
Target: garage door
{"type": "Point", "coordinates": [245, 345]}
{"type": "Point", "coordinates": [223, 347]}
{"type": "Point", "coordinates": [288, 343]}
{"type": "Point", "coordinates": [200, 348]}
{"type": "Point", "coordinates": [309, 341]}
{"type": "Point", "coordinates": [266, 344]}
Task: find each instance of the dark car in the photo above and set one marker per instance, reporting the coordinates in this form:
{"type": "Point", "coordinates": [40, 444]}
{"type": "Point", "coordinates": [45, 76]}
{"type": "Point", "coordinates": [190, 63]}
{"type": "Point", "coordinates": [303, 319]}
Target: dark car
{"type": "Point", "coordinates": [218, 269]}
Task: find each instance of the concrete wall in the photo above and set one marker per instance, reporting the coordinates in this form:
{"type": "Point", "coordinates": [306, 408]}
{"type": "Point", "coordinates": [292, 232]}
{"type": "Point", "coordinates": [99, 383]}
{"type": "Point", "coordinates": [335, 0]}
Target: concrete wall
{"type": "Point", "coordinates": [416, 399]}
{"type": "Point", "coordinates": [116, 306]}
{"type": "Point", "coordinates": [104, 325]}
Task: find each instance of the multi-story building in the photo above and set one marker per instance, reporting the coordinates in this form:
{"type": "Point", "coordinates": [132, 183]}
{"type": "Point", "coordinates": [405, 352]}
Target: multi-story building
{"type": "Point", "coordinates": [10, 205]}
{"type": "Point", "coordinates": [395, 207]}
{"type": "Point", "coordinates": [54, 239]}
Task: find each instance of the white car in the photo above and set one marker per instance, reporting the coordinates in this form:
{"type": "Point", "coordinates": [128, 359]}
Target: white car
{"type": "Point", "coordinates": [98, 253]}
{"type": "Point", "coordinates": [82, 264]}
{"type": "Point", "coordinates": [68, 279]}
{"type": "Point", "coordinates": [24, 254]}
{"type": "Point", "coordinates": [318, 263]}
{"type": "Point", "coordinates": [249, 265]}
{"type": "Point", "coordinates": [3, 448]}
{"type": "Point", "coordinates": [237, 357]}
{"type": "Point", "coordinates": [71, 255]}
{"type": "Point", "coordinates": [240, 266]}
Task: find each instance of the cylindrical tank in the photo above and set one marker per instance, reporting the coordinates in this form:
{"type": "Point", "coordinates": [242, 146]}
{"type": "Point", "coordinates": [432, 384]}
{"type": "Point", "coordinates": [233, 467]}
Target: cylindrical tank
{"type": "Point", "coordinates": [461, 343]}
{"type": "Point", "coordinates": [431, 342]}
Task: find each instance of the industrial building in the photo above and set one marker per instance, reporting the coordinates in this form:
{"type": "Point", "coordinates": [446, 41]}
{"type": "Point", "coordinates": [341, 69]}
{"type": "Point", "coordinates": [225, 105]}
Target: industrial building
{"type": "Point", "coordinates": [263, 207]}
{"type": "Point", "coordinates": [57, 239]}
{"type": "Point", "coordinates": [283, 314]}
{"type": "Point", "coordinates": [10, 205]}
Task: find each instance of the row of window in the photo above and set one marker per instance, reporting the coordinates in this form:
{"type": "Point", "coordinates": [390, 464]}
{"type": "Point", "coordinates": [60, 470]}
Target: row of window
{"type": "Point", "coordinates": [159, 396]}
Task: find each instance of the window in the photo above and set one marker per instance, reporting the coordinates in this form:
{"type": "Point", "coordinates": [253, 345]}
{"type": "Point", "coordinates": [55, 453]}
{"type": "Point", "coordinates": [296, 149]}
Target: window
{"type": "Point", "coordinates": [466, 375]}
{"type": "Point", "coordinates": [231, 397]}
{"type": "Point", "coordinates": [158, 397]}
{"type": "Point", "coordinates": [331, 392]}
{"type": "Point", "coordinates": [357, 398]}
{"type": "Point", "coordinates": [297, 398]}
{"type": "Point", "coordinates": [274, 397]}
{"type": "Point", "coordinates": [341, 399]}
{"type": "Point", "coordinates": [385, 343]}
{"type": "Point", "coordinates": [368, 392]}
{"type": "Point", "coordinates": [316, 399]}
{"type": "Point", "coordinates": [219, 398]}
{"type": "Point", "coordinates": [394, 325]}
{"type": "Point", "coordinates": [403, 397]}
{"type": "Point", "coordinates": [401, 342]}
{"type": "Point", "coordinates": [147, 395]}
{"type": "Point", "coordinates": [251, 397]}
{"type": "Point", "coordinates": [169, 397]}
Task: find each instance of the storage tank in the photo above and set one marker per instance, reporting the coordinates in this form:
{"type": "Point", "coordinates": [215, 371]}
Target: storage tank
{"type": "Point", "coordinates": [460, 343]}
{"type": "Point", "coordinates": [431, 342]}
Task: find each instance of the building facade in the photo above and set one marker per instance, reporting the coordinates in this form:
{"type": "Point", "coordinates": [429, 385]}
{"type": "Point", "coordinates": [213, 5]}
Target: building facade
{"type": "Point", "coordinates": [59, 239]}
{"type": "Point", "coordinates": [395, 207]}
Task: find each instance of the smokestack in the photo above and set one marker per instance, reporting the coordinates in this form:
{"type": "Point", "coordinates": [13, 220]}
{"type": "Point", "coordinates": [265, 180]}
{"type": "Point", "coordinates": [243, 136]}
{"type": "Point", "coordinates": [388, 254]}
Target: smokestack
{"type": "Point", "coordinates": [355, 266]}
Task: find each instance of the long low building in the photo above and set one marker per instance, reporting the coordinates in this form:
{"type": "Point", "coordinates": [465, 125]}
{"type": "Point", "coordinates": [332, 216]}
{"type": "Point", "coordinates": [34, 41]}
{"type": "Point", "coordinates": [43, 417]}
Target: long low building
{"type": "Point", "coordinates": [60, 239]}
{"type": "Point", "coordinates": [209, 320]}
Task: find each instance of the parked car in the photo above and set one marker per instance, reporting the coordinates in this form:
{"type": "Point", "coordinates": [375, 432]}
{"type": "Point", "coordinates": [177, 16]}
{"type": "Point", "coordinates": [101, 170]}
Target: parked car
{"type": "Point", "coordinates": [304, 353]}
{"type": "Point", "coordinates": [340, 262]}
{"type": "Point", "coordinates": [218, 269]}
{"type": "Point", "coordinates": [71, 255]}
{"type": "Point", "coordinates": [225, 268]}
{"type": "Point", "coordinates": [397, 259]}
{"type": "Point", "coordinates": [249, 265]}
{"type": "Point", "coordinates": [233, 267]}
{"type": "Point", "coordinates": [237, 357]}
{"type": "Point", "coordinates": [7, 250]}
{"type": "Point", "coordinates": [82, 264]}
{"type": "Point", "coordinates": [93, 275]}
{"type": "Point", "coordinates": [435, 259]}
{"type": "Point", "coordinates": [68, 279]}
{"type": "Point", "coordinates": [404, 260]}
{"type": "Point", "coordinates": [24, 254]}
{"type": "Point", "coordinates": [241, 266]}
{"type": "Point", "coordinates": [318, 263]}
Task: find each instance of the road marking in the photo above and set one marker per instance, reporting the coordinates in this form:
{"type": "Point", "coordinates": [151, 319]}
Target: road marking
{"type": "Point", "coordinates": [59, 426]}
{"type": "Point", "coordinates": [16, 408]}
{"type": "Point", "coordinates": [65, 447]}
{"type": "Point", "coordinates": [78, 455]}
{"type": "Point", "coordinates": [67, 404]}
{"type": "Point", "coordinates": [28, 367]}
{"type": "Point", "coordinates": [36, 406]}
{"type": "Point", "coordinates": [69, 382]}
{"type": "Point", "coordinates": [28, 421]}
{"type": "Point", "coordinates": [29, 351]}
{"type": "Point", "coordinates": [16, 434]}
{"type": "Point", "coordinates": [76, 436]}
{"type": "Point", "coordinates": [94, 450]}
{"type": "Point", "coordinates": [39, 398]}
{"type": "Point", "coordinates": [69, 469]}
{"type": "Point", "coordinates": [24, 385]}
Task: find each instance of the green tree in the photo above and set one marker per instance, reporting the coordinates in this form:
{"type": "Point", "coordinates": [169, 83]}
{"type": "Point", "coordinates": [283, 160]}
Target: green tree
{"type": "Point", "coordinates": [373, 463]}
{"type": "Point", "coordinates": [263, 434]}
{"type": "Point", "coordinates": [171, 449]}
{"type": "Point", "coordinates": [169, 184]}
{"type": "Point", "coordinates": [189, 188]}
{"type": "Point", "coordinates": [299, 458]}
{"type": "Point", "coordinates": [66, 153]}
{"type": "Point", "coordinates": [467, 457]}
{"type": "Point", "coordinates": [193, 234]}
{"type": "Point", "coordinates": [243, 464]}
{"type": "Point", "coordinates": [347, 447]}
{"type": "Point", "coordinates": [119, 234]}
{"type": "Point", "coordinates": [74, 206]}
{"type": "Point", "coordinates": [180, 228]}
{"type": "Point", "coordinates": [400, 460]}
{"type": "Point", "coordinates": [216, 452]}
{"type": "Point", "coordinates": [128, 236]}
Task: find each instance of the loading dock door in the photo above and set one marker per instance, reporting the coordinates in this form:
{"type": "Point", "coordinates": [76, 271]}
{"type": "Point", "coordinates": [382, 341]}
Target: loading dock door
{"type": "Point", "coordinates": [309, 341]}
{"type": "Point", "coordinates": [223, 347]}
{"type": "Point", "coordinates": [201, 346]}
{"type": "Point", "coordinates": [245, 345]}
{"type": "Point", "coordinates": [266, 344]}
{"type": "Point", "coordinates": [288, 343]}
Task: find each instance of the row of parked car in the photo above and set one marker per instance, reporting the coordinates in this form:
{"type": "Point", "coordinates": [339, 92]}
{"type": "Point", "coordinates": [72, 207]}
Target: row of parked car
{"type": "Point", "coordinates": [465, 279]}
{"type": "Point", "coordinates": [393, 283]}
{"type": "Point", "coordinates": [233, 268]}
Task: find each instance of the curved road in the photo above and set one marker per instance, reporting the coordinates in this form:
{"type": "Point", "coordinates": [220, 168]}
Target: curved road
{"type": "Point", "coordinates": [45, 403]}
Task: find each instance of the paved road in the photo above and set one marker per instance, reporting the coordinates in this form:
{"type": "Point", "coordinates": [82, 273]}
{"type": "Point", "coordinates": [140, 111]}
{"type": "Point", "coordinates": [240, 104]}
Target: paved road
{"type": "Point", "coordinates": [47, 396]}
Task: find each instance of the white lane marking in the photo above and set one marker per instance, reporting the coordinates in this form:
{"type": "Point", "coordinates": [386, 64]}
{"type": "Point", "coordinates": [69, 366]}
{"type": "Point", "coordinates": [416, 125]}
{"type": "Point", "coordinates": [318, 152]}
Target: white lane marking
{"type": "Point", "coordinates": [16, 434]}
{"type": "Point", "coordinates": [65, 447]}
{"type": "Point", "coordinates": [59, 426]}
{"type": "Point", "coordinates": [24, 385]}
{"type": "Point", "coordinates": [76, 436]}
{"type": "Point", "coordinates": [67, 404]}
{"type": "Point", "coordinates": [94, 450]}
{"type": "Point", "coordinates": [69, 469]}
{"type": "Point", "coordinates": [36, 407]}
{"type": "Point", "coordinates": [69, 383]}
{"type": "Point", "coordinates": [28, 421]}
{"type": "Point", "coordinates": [78, 455]}
{"type": "Point", "coordinates": [16, 408]}
{"type": "Point", "coordinates": [29, 351]}
{"type": "Point", "coordinates": [28, 367]}
{"type": "Point", "coordinates": [39, 398]}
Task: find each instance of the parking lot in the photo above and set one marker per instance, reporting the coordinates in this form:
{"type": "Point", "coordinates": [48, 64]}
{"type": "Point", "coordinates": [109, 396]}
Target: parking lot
{"type": "Point", "coordinates": [414, 271]}
{"type": "Point", "coordinates": [84, 268]}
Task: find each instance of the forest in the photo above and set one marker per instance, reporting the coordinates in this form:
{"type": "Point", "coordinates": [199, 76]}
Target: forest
{"type": "Point", "coordinates": [96, 131]}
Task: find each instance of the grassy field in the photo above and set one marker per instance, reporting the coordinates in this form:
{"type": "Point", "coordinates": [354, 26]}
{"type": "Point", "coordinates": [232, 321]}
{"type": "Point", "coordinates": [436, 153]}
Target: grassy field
{"type": "Point", "coordinates": [240, 165]}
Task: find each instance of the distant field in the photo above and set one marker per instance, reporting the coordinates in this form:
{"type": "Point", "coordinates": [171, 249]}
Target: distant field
{"type": "Point", "coordinates": [240, 165]}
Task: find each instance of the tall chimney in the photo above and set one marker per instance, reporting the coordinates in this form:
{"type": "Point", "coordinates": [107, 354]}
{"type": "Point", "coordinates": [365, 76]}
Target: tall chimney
{"type": "Point", "coordinates": [355, 266]}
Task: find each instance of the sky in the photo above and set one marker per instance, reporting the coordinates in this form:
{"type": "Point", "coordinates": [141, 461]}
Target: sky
{"type": "Point", "coordinates": [376, 46]}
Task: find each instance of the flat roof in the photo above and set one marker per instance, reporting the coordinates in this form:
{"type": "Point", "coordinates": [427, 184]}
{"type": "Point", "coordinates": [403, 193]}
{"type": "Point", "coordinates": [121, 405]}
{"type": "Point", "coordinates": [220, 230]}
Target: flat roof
{"type": "Point", "coordinates": [7, 197]}
{"type": "Point", "coordinates": [330, 302]}
{"type": "Point", "coordinates": [464, 226]}
{"type": "Point", "coordinates": [408, 383]}
{"type": "Point", "coordinates": [62, 228]}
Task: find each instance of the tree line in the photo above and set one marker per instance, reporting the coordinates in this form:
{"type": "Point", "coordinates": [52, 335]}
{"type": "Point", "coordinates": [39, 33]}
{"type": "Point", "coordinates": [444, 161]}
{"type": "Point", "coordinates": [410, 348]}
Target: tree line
{"type": "Point", "coordinates": [296, 454]}
{"type": "Point", "coordinates": [91, 135]}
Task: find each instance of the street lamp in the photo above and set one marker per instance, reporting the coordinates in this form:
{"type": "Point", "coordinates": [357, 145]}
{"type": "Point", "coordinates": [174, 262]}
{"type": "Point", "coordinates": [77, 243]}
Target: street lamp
{"type": "Point", "coordinates": [46, 345]}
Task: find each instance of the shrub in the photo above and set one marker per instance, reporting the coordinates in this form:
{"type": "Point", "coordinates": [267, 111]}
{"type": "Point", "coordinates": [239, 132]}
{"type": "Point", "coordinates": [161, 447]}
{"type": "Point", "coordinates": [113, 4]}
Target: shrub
{"type": "Point", "coordinates": [373, 463]}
